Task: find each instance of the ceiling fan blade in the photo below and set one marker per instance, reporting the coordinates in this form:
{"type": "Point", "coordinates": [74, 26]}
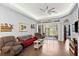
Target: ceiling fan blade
{"type": "Point", "coordinates": [50, 12]}
{"type": "Point", "coordinates": [52, 9]}
{"type": "Point", "coordinates": [42, 10]}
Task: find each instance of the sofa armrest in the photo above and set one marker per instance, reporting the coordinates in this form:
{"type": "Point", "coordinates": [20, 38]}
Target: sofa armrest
{"type": "Point", "coordinates": [18, 43]}
{"type": "Point", "coordinates": [17, 48]}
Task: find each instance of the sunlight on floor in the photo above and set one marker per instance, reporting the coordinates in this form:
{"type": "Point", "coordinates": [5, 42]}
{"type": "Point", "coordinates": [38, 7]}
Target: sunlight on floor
{"type": "Point", "coordinates": [67, 45]}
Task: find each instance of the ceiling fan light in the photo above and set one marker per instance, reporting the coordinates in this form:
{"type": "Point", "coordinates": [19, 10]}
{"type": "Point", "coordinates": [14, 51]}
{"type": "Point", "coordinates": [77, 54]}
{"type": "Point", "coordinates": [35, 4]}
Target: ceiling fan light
{"type": "Point", "coordinates": [49, 13]}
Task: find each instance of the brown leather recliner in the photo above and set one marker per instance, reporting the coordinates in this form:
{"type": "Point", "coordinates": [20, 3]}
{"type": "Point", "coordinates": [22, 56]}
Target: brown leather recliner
{"type": "Point", "coordinates": [9, 46]}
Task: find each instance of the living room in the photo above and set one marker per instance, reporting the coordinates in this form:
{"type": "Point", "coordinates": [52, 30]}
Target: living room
{"type": "Point", "coordinates": [26, 23]}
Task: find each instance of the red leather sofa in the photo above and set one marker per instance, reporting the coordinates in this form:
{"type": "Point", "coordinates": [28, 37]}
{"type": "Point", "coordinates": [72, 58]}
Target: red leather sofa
{"type": "Point", "coordinates": [26, 40]}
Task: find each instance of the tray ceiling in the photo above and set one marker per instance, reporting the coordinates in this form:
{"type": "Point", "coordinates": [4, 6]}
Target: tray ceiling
{"type": "Point", "coordinates": [34, 11]}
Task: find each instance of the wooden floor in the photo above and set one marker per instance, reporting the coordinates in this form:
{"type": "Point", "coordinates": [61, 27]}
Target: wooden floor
{"type": "Point", "coordinates": [51, 47]}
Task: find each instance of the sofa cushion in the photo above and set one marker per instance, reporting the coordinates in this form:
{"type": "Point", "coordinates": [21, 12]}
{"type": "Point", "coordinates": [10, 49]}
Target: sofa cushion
{"type": "Point", "coordinates": [10, 43]}
{"type": "Point", "coordinates": [27, 40]}
{"type": "Point", "coordinates": [8, 39]}
{"type": "Point", "coordinates": [6, 49]}
{"type": "Point", "coordinates": [25, 37]}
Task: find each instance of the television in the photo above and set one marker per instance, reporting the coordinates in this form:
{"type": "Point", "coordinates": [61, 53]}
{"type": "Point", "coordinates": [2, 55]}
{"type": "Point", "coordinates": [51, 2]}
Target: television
{"type": "Point", "coordinates": [76, 26]}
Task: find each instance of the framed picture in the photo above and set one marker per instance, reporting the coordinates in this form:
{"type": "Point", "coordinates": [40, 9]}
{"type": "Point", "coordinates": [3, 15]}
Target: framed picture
{"type": "Point", "coordinates": [33, 26]}
{"type": "Point", "coordinates": [22, 27]}
{"type": "Point", "coordinates": [5, 27]}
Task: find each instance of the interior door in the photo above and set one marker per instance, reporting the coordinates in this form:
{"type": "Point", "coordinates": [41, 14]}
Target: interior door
{"type": "Point", "coordinates": [65, 37]}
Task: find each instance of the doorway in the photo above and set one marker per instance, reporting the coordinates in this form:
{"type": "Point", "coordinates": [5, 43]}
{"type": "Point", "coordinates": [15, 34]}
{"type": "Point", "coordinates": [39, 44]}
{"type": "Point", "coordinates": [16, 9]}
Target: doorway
{"type": "Point", "coordinates": [65, 36]}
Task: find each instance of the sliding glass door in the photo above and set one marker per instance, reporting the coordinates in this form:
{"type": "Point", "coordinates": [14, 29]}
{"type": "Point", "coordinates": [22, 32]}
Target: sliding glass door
{"type": "Point", "coordinates": [52, 31]}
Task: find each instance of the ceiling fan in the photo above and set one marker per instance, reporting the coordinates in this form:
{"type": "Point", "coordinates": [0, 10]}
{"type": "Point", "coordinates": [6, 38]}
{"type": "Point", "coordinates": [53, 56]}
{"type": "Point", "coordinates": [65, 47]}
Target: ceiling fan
{"type": "Point", "coordinates": [48, 10]}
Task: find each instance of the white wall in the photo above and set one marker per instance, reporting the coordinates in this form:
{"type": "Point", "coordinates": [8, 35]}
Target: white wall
{"type": "Point", "coordinates": [11, 17]}
{"type": "Point", "coordinates": [72, 18]}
